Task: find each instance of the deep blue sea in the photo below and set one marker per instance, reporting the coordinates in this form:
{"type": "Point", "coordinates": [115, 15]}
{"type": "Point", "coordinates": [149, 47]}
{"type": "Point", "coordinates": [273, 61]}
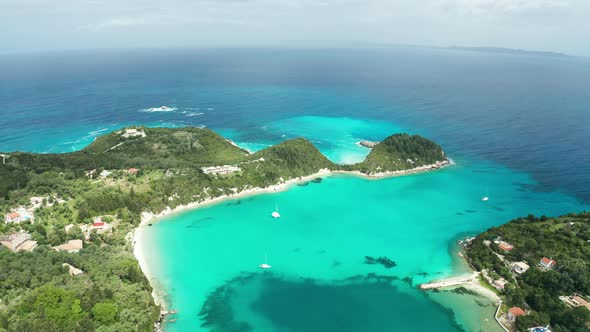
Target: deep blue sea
{"type": "Point", "coordinates": [516, 125]}
{"type": "Point", "coordinates": [530, 113]}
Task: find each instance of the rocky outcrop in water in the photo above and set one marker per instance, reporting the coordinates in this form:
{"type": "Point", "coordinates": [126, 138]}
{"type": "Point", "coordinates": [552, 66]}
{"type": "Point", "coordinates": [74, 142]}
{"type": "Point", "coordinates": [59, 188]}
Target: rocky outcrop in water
{"type": "Point", "coordinates": [386, 262]}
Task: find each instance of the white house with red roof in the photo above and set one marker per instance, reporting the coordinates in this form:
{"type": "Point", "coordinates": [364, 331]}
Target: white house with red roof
{"type": "Point", "coordinates": [514, 312]}
{"type": "Point", "coordinates": [547, 263]}
{"type": "Point", "coordinates": [13, 217]}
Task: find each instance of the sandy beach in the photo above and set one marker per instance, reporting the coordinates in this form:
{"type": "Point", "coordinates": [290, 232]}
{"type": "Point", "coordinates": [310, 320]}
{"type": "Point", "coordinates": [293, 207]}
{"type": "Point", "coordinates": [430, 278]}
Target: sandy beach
{"type": "Point", "coordinates": [470, 282]}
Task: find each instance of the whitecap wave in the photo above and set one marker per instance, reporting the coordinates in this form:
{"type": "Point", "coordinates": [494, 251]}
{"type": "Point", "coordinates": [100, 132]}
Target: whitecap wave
{"type": "Point", "coordinates": [159, 109]}
{"type": "Point", "coordinates": [98, 132]}
{"type": "Point", "coordinates": [194, 113]}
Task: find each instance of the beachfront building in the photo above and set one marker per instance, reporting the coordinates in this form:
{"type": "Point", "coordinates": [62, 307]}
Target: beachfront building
{"type": "Point", "coordinates": [505, 246]}
{"type": "Point", "coordinates": [19, 241]}
{"type": "Point", "coordinates": [221, 170]}
{"type": "Point", "coordinates": [70, 246]}
{"type": "Point", "coordinates": [499, 284]}
{"type": "Point", "coordinates": [547, 263]}
{"type": "Point", "coordinates": [575, 300]}
{"type": "Point", "coordinates": [519, 267]}
{"type": "Point", "coordinates": [513, 313]}
{"type": "Point", "coordinates": [13, 217]}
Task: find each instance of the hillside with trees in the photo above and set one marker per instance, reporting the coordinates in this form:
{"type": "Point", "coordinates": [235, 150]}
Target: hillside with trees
{"type": "Point", "coordinates": [112, 182]}
{"type": "Point", "coordinates": [401, 152]}
{"type": "Point", "coordinates": [566, 240]}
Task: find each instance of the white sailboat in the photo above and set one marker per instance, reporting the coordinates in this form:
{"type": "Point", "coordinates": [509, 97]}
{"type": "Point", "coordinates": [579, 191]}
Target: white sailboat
{"type": "Point", "coordinates": [275, 214]}
{"type": "Point", "coordinates": [485, 198]}
{"type": "Point", "coordinates": [265, 264]}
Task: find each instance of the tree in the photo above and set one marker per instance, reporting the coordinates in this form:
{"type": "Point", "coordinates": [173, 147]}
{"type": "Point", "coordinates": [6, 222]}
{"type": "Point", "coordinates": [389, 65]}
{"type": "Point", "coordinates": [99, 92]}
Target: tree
{"type": "Point", "coordinates": [55, 306]}
{"type": "Point", "coordinates": [105, 312]}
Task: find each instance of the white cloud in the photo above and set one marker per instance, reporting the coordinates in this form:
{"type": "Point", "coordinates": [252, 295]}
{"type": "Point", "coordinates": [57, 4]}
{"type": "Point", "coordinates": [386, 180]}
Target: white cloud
{"type": "Point", "coordinates": [503, 6]}
{"type": "Point", "coordinates": [560, 25]}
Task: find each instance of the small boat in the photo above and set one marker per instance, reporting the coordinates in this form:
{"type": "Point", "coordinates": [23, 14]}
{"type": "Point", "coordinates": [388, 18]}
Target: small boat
{"type": "Point", "coordinates": [275, 214]}
{"type": "Point", "coordinates": [485, 198]}
{"type": "Point", "coordinates": [265, 264]}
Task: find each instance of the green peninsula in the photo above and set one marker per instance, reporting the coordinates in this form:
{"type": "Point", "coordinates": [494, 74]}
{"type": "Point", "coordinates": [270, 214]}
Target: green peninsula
{"type": "Point", "coordinates": [66, 262]}
{"type": "Point", "coordinates": [542, 266]}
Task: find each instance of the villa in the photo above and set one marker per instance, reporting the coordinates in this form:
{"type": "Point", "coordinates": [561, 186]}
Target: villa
{"type": "Point", "coordinates": [519, 267]}
{"type": "Point", "coordinates": [71, 246]}
{"type": "Point", "coordinates": [575, 300]}
{"type": "Point", "coordinates": [505, 246]}
{"type": "Point", "coordinates": [547, 263]}
{"type": "Point", "coordinates": [13, 217]}
{"type": "Point", "coordinates": [19, 241]}
{"type": "Point", "coordinates": [513, 313]}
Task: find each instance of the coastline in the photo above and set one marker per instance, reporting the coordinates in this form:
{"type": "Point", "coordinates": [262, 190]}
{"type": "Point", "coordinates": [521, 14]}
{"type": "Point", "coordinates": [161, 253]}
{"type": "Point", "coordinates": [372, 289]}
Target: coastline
{"type": "Point", "coordinates": [469, 280]}
{"type": "Point", "coordinates": [147, 217]}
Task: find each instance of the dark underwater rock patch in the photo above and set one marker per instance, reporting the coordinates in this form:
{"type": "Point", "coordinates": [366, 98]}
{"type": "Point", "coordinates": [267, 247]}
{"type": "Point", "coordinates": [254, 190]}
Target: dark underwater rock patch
{"type": "Point", "coordinates": [386, 262]}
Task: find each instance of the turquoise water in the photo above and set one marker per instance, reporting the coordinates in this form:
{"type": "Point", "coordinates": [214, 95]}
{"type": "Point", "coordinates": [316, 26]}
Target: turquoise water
{"type": "Point", "coordinates": [516, 126]}
{"type": "Point", "coordinates": [336, 137]}
{"type": "Point", "coordinates": [317, 249]}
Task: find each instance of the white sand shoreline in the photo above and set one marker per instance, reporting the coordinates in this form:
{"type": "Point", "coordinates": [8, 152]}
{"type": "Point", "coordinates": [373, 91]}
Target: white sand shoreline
{"type": "Point", "coordinates": [149, 217]}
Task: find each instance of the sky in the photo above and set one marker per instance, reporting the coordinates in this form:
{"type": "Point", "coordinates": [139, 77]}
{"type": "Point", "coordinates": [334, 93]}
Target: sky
{"type": "Point", "coordinates": [54, 25]}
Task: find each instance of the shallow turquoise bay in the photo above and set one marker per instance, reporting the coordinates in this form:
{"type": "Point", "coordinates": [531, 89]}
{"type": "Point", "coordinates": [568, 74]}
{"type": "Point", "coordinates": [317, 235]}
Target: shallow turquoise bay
{"type": "Point", "coordinates": [319, 280]}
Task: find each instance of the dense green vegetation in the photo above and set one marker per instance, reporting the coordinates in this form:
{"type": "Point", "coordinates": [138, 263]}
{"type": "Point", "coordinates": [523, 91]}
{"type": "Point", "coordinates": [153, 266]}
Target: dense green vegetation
{"type": "Point", "coordinates": [37, 292]}
{"type": "Point", "coordinates": [401, 152]}
{"type": "Point", "coordinates": [565, 239]}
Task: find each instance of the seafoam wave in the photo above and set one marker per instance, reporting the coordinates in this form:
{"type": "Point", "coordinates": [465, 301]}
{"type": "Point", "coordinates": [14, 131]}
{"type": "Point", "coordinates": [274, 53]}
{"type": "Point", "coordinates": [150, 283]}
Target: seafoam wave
{"type": "Point", "coordinates": [98, 132]}
{"type": "Point", "coordinates": [194, 114]}
{"type": "Point", "coordinates": [159, 109]}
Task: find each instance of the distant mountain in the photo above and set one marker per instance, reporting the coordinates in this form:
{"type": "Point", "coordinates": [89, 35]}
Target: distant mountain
{"type": "Point", "coordinates": [507, 51]}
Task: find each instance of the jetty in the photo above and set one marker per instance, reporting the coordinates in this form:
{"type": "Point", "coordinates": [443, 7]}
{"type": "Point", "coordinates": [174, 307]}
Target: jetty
{"type": "Point", "coordinates": [456, 281]}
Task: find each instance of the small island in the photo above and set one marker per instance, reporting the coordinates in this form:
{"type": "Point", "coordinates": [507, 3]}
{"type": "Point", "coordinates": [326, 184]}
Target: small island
{"type": "Point", "coordinates": [68, 240]}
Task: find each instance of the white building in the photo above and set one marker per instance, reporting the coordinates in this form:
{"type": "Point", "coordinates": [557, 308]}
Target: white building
{"type": "Point", "coordinates": [73, 271]}
{"type": "Point", "coordinates": [221, 170]}
{"type": "Point", "coordinates": [19, 241]}
{"type": "Point", "coordinates": [13, 217]}
{"type": "Point", "coordinates": [519, 267]}
{"type": "Point", "coordinates": [70, 246]}
{"type": "Point", "coordinates": [132, 132]}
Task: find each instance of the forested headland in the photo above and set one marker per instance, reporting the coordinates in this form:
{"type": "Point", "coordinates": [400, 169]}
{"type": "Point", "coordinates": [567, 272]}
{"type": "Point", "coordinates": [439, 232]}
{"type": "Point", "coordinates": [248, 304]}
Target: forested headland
{"type": "Point", "coordinates": [565, 243]}
{"type": "Point", "coordinates": [97, 195]}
